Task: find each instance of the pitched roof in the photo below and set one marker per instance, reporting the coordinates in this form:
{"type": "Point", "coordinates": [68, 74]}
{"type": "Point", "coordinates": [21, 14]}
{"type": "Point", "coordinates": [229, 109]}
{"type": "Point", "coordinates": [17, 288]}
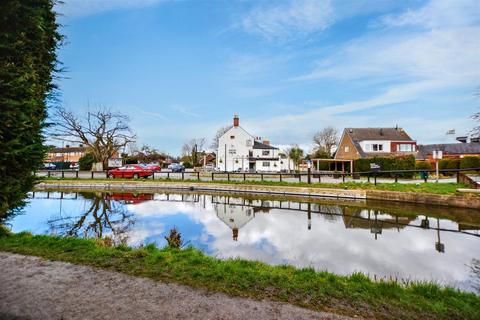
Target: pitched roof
{"type": "Point", "coordinates": [68, 149]}
{"type": "Point", "coordinates": [449, 148]}
{"type": "Point", "coordinates": [391, 134]}
{"type": "Point", "coordinates": [259, 145]}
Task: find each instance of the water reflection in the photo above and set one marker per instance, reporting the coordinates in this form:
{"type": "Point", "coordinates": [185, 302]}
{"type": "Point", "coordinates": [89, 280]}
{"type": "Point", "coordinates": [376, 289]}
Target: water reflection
{"type": "Point", "coordinates": [380, 239]}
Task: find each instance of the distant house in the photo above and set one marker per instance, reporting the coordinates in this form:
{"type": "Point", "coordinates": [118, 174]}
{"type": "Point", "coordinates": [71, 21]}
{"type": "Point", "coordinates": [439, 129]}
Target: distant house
{"type": "Point", "coordinates": [450, 150]}
{"type": "Point", "coordinates": [357, 143]}
{"type": "Point", "coordinates": [66, 154]}
{"type": "Point", "coordinates": [238, 150]}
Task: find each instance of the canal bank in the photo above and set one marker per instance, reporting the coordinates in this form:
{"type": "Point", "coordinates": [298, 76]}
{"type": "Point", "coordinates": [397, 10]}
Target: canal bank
{"type": "Point", "coordinates": [464, 200]}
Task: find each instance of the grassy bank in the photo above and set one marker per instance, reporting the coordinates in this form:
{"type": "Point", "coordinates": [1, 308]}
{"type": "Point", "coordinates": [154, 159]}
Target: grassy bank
{"type": "Point", "coordinates": [350, 295]}
{"type": "Point", "coordinates": [429, 187]}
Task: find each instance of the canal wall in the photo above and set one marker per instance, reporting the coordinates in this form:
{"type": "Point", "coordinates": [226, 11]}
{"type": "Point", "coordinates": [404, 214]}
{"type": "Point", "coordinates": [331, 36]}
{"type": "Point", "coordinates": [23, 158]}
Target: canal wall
{"type": "Point", "coordinates": [463, 201]}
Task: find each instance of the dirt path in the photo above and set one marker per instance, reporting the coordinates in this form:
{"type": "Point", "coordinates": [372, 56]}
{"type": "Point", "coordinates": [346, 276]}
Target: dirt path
{"type": "Point", "coordinates": [33, 288]}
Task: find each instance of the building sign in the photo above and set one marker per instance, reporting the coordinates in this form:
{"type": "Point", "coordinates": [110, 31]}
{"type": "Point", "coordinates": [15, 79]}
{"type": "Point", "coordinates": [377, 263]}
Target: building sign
{"type": "Point", "coordinates": [114, 162]}
{"type": "Point", "coordinates": [437, 154]}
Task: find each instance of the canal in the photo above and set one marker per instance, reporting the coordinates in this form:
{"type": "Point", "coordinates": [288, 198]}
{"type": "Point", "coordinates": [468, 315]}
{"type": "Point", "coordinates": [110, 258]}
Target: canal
{"type": "Point", "coordinates": [384, 240]}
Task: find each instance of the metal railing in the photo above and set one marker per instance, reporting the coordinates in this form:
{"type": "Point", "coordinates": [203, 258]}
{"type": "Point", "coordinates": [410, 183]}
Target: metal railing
{"type": "Point", "coordinates": [308, 177]}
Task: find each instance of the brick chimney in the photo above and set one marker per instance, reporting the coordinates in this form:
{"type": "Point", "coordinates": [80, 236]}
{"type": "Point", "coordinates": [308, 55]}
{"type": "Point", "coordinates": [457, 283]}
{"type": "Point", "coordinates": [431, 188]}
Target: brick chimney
{"type": "Point", "coordinates": [266, 141]}
{"type": "Point", "coordinates": [236, 121]}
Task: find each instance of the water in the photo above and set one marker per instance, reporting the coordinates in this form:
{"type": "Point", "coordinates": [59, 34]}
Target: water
{"type": "Point", "coordinates": [383, 240]}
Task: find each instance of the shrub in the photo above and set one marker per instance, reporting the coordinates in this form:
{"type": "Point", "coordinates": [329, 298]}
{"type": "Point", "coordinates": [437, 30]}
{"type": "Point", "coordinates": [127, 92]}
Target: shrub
{"type": "Point", "coordinates": [423, 165]}
{"type": "Point", "coordinates": [449, 164]}
{"type": "Point", "coordinates": [470, 162]}
{"type": "Point", "coordinates": [187, 165]}
{"type": "Point", "coordinates": [85, 163]}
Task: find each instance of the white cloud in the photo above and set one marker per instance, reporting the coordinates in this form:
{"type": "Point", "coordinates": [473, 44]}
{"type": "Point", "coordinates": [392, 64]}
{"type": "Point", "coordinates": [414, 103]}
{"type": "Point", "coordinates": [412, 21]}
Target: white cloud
{"type": "Point", "coordinates": [438, 14]}
{"type": "Point", "coordinates": [73, 8]}
{"type": "Point", "coordinates": [298, 17]}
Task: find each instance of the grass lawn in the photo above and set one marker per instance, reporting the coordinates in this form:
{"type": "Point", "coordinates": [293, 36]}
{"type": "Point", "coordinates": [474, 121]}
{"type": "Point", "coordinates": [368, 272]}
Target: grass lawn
{"type": "Point", "coordinates": [349, 295]}
{"type": "Point", "coordinates": [429, 187]}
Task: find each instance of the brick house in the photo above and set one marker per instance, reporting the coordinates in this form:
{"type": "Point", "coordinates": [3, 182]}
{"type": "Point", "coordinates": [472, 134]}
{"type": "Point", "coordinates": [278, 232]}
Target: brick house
{"type": "Point", "coordinates": [68, 153]}
{"type": "Point", "coordinates": [357, 143]}
{"type": "Point", "coordinates": [450, 150]}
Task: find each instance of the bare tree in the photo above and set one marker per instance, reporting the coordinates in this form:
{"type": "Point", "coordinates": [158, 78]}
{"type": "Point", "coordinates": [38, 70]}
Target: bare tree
{"type": "Point", "coordinates": [325, 140]}
{"type": "Point", "coordinates": [220, 132]}
{"type": "Point", "coordinates": [103, 132]}
{"type": "Point", "coordinates": [192, 148]}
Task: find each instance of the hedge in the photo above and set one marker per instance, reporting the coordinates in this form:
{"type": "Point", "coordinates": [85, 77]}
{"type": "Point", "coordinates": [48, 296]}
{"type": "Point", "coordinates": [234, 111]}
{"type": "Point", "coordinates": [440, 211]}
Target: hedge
{"type": "Point", "coordinates": [423, 165]}
{"type": "Point", "coordinates": [470, 162]}
{"type": "Point", "coordinates": [388, 164]}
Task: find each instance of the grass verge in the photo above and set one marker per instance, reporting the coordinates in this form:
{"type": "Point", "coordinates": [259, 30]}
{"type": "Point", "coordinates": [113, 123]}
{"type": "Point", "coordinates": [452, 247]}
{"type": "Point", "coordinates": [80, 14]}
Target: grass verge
{"type": "Point", "coordinates": [349, 295]}
{"type": "Point", "coordinates": [429, 187]}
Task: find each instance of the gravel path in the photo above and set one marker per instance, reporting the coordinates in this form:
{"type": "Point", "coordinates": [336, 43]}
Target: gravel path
{"type": "Point", "coordinates": [33, 288]}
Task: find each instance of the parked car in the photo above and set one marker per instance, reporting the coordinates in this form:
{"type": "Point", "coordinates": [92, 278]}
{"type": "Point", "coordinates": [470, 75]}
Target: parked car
{"type": "Point", "coordinates": [49, 166]}
{"type": "Point", "coordinates": [177, 167]}
{"type": "Point", "coordinates": [74, 166]}
{"type": "Point", "coordinates": [153, 167]}
{"type": "Point", "coordinates": [130, 171]}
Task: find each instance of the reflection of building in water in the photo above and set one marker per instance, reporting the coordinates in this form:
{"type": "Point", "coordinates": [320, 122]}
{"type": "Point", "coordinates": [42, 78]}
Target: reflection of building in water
{"type": "Point", "coordinates": [374, 220]}
{"type": "Point", "coordinates": [237, 212]}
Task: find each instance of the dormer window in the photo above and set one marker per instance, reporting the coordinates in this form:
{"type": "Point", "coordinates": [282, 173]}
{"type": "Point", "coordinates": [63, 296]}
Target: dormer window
{"type": "Point", "coordinates": [232, 137]}
{"type": "Point", "coordinates": [265, 152]}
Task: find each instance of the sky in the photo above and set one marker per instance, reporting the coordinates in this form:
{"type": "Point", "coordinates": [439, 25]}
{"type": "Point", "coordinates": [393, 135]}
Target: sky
{"type": "Point", "coordinates": [182, 69]}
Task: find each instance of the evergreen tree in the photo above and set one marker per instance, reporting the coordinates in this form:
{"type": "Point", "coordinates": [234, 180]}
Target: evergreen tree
{"type": "Point", "coordinates": [28, 62]}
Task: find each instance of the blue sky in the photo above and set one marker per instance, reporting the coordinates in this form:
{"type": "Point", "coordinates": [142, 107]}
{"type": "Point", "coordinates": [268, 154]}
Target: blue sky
{"type": "Point", "coordinates": [181, 69]}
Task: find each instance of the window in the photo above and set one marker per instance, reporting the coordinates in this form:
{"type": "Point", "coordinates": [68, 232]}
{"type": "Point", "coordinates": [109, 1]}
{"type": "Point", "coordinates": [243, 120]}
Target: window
{"type": "Point", "coordinates": [265, 152]}
{"type": "Point", "coordinates": [405, 147]}
{"type": "Point", "coordinates": [375, 147]}
{"type": "Point", "coordinates": [347, 149]}
{"type": "Point", "coordinates": [232, 137]}
{"type": "Point", "coordinates": [266, 164]}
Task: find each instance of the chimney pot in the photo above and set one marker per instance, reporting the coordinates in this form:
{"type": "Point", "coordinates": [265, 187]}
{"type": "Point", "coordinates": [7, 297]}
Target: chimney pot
{"type": "Point", "coordinates": [236, 121]}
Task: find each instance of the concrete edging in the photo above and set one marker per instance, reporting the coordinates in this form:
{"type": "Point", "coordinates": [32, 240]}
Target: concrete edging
{"type": "Point", "coordinates": [465, 201]}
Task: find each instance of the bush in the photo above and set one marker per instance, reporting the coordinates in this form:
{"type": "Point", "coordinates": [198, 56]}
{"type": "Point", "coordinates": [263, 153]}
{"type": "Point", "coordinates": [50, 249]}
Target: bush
{"type": "Point", "coordinates": [449, 164]}
{"type": "Point", "coordinates": [85, 163]}
{"type": "Point", "coordinates": [187, 165]}
{"type": "Point", "coordinates": [423, 165]}
{"type": "Point", "coordinates": [470, 162]}
{"type": "Point", "coordinates": [388, 164]}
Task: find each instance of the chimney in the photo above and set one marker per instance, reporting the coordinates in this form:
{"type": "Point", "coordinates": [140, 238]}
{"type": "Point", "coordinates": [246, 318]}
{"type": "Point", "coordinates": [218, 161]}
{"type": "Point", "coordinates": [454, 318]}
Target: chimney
{"type": "Point", "coordinates": [266, 141]}
{"type": "Point", "coordinates": [236, 121]}
{"type": "Point", "coordinates": [462, 139]}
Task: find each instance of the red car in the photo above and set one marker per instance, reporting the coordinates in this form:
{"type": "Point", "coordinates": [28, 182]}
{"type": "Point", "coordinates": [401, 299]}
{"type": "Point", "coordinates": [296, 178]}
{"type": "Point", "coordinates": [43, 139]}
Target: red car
{"type": "Point", "coordinates": [130, 198]}
{"type": "Point", "coordinates": [153, 167]}
{"type": "Point", "coordinates": [130, 171]}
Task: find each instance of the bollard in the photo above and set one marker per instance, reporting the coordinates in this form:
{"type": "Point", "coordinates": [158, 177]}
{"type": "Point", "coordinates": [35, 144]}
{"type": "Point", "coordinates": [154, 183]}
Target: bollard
{"type": "Point", "coordinates": [63, 174]}
{"type": "Point", "coordinates": [76, 174]}
{"type": "Point", "coordinates": [280, 177]}
{"type": "Point", "coordinates": [48, 174]}
{"type": "Point", "coordinates": [93, 172]}
{"type": "Point", "coordinates": [396, 178]}
{"type": "Point", "coordinates": [261, 176]}
{"type": "Point", "coordinates": [244, 177]}
{"type": "Point", "coordinates": [212, 177]}
{"type": "Point", "coordinates": [198, 175]}
{"type": "Point", "coordinates": [375, 177]}
{"type": "Point", "coordinates": [183, 175]}
{"type": "Point", "coordinates": [228, 176]}
{"type": "Point", "coordinates": [343, 177]}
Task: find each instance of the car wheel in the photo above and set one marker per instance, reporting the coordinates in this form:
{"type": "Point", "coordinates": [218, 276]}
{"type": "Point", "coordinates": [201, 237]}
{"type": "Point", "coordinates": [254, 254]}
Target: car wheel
{"type": "Point", "coordinates": [111, 176]}
{"type": "Point", "coordinates": [136, 176]}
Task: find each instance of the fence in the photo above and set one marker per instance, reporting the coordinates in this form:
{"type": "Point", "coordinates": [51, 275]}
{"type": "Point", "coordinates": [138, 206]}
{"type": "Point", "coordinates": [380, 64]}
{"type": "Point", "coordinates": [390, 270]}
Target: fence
{"type": "Point", "coordinates": [308, 177]}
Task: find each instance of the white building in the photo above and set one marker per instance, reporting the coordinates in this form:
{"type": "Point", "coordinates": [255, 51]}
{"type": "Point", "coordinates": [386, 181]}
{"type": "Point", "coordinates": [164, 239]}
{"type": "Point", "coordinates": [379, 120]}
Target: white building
{"type": "Point", "coordinates": [240, 151]}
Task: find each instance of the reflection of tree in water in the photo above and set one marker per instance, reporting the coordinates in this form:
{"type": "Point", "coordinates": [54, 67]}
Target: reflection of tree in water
{"type": "Point", "coordinates": [475, 274]}
{"type": "Point", "coordinates": [329, 213]}
{"type": "Point", "coordinates": [102, 218]}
